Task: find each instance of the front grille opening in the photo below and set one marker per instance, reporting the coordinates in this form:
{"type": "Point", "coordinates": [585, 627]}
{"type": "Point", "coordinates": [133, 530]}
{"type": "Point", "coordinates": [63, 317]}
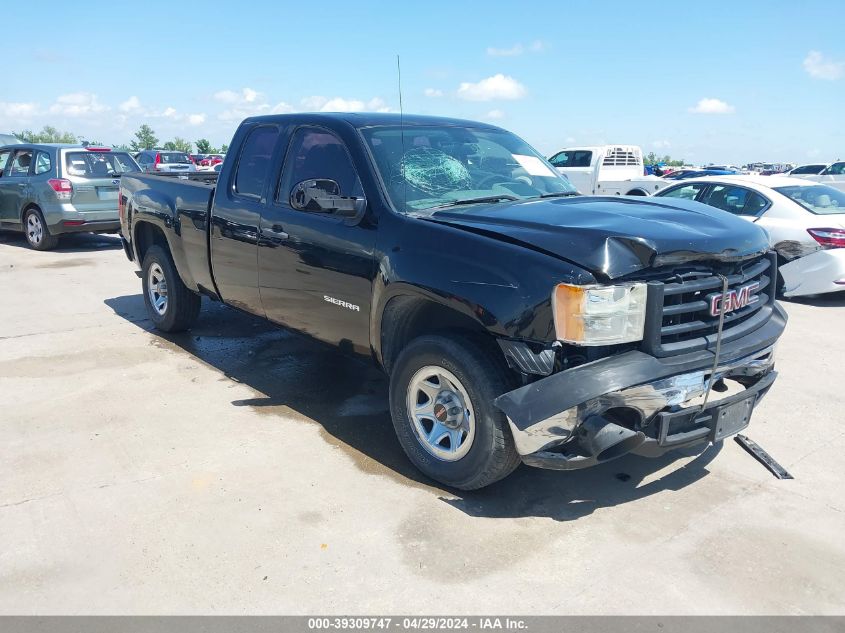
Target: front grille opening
{"type": "Point", "coordinates": [684, 321]}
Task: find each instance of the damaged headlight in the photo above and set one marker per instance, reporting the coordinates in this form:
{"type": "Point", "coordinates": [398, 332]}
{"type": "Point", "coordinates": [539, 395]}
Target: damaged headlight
{"type": "Point", "coordinates": [599, 315]}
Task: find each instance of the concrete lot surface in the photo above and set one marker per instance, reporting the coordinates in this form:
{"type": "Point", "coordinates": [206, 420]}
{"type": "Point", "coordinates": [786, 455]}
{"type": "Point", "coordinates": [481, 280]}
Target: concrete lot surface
{"type": "Point", "coordinates": [241, 469]}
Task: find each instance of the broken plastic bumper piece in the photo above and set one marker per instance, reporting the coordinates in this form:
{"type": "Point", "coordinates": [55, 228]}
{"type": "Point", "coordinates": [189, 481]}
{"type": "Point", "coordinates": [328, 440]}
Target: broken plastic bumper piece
{"type": "Point", "coordinates": [636, 403]}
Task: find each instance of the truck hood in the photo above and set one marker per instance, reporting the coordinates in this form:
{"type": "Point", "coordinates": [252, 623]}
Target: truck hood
{"type": "Point", "coordinates": [614, 237]}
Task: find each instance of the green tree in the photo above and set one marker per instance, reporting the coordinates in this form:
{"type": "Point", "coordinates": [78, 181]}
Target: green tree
{"type": "Point", "coordinates": [223, 149]}
{"type": "Point", "coordinates": [48, 134]}
{"type": "Point", "coordinates": [653, 159]}
{"type": "Point", "coordinates": [145, 138]}
{"type": "Point", "coordinates": [203, 146]}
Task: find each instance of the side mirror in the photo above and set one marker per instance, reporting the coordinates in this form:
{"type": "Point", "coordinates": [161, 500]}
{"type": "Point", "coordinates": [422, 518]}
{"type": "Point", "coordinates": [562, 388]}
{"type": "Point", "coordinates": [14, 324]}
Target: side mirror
{"type": "Point", "coordinates": [322, 195]}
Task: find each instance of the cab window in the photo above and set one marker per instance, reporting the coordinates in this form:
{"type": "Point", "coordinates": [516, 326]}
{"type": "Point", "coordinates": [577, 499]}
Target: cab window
{"type": "Point", "coordinates": [837, 169]}
{"type": "Point", "coordinates": [578, 158]}
{"type": "Point", "coordinates": [315, 153]}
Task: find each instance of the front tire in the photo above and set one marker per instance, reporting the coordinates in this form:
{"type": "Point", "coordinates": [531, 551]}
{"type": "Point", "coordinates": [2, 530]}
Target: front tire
{"type": "Point", "coordinates": [171, 305]}
{"type": "Point", "coordinates": [441, 401]}
{"type": "Point", "coordinates": [36, 231]}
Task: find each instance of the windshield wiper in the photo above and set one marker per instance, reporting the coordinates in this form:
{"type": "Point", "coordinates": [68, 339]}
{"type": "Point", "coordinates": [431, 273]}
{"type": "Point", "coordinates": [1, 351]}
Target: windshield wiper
{"type": "Point", "coordinates": [560, 194]}
{"type": "Point", "coordinates": [497, 198]}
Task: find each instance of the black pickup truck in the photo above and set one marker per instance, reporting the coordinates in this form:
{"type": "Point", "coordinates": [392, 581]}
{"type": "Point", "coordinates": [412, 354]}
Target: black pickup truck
{"type": "Point", "coordinates": [517, 321]}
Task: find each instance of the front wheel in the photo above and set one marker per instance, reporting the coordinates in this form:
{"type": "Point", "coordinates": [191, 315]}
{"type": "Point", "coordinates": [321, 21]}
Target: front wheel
{"type": "Point", "coordinates": [441, 401]}
{"type": "Point", "coordinates": [170, 304]}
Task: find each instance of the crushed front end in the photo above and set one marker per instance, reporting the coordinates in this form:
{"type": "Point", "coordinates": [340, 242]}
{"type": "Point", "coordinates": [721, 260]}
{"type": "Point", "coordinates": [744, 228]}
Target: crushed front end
{"type": "Point", "coordinates": [705, 360]}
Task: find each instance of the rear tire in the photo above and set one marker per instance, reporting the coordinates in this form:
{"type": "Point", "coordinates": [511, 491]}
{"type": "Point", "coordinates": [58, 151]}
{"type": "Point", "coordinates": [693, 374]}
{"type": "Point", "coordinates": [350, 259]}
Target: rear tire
{"type": "Point", "coordinates": [171, 305]}
{"type": "Point", "coordinates": [444, 387]}
{"type": "Point", "coordinates": [36, 232]}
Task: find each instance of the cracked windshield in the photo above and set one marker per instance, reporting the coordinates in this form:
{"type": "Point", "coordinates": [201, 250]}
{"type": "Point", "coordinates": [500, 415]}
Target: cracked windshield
{"type": "Point", "coordinates": [432, 167]}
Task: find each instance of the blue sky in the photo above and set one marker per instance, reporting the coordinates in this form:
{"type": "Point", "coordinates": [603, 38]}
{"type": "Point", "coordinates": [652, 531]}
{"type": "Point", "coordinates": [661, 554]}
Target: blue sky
{"type": "Point", "coordinates": [708, 82]}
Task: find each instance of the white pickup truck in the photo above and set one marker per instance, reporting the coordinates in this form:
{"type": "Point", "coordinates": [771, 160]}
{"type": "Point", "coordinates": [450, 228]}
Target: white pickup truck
{"type": "Point", "coordinates": [608, 170]}
{"type": "Point", "coordinates": [832, 176]}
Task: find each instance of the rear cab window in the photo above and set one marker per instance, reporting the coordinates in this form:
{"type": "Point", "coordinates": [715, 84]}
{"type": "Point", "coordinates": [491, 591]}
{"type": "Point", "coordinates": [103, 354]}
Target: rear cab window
{"type": "Point", "coordinates": [93, 164]}
{"type": "Point", "coordinates": [254, 161]}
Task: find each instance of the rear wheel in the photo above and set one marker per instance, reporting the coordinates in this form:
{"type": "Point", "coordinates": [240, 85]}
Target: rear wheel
{"type": "Point", "coordinates": [170, 304]}
{"type": "Point", "coordinates": [36, 231]}
{"type": "Point", "coordinates": [441, 401]}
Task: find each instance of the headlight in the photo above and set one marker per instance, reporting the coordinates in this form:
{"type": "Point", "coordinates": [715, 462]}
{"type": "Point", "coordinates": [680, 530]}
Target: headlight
{"type": "Point", "coordinates": [599, 315]}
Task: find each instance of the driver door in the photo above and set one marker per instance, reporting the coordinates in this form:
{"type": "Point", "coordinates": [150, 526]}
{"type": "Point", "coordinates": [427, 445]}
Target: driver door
{"type": "Point", "coordinates": [315, 268]}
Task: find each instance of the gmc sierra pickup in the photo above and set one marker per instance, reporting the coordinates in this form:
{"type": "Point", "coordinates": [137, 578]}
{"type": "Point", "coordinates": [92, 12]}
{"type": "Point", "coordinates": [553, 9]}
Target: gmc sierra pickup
{"type": "Point", "coordinates": [516, 320]}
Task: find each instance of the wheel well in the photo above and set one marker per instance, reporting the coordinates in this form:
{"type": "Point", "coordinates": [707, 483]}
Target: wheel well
{"type": "Point", "coordinates": [31, 205]}
{"type": "Point", "coordinates": [146, 235]}
{"type": "Point", "coordinates": [636, 192]}
{"type": "Point", "coordinates": [406, 318]}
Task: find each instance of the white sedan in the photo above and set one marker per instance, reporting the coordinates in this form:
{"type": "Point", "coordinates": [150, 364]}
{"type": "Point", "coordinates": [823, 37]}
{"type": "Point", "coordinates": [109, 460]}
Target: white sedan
{"type": "Point", "coordinates": [805, 221]}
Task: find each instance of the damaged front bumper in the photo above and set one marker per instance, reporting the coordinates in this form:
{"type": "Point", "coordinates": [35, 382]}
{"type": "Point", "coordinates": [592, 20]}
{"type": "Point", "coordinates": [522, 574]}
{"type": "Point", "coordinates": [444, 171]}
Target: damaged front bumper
{"type": "Point", "coordinates": [638, 403]}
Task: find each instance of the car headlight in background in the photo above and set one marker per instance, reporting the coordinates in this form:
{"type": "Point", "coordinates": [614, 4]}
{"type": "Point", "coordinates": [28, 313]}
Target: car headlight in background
{"type": "Point", "coordinates": [599, 315]}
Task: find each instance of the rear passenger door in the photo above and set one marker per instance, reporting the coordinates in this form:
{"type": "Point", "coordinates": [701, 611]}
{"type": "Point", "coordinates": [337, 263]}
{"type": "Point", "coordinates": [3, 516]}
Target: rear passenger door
{"type": "Point", "coordinates": [14, 187]}
{"type": "Point", "coordinates": [316, 267]}
{"type": "Point", "coordinates": [238, 205]}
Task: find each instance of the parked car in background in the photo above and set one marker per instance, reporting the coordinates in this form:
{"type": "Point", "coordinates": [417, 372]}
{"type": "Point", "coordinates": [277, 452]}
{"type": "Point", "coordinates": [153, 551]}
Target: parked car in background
{"type": "Point", "coordinates": [684, 174]}
{"type": "Point", "coordinates": [731, 168]}
{"type": "Point", "coordinates": [805, 221]}
{"type": "Point", "coordinates": [807, 170]}
{"type": "Point", "coordinates": [833, 175]}
{"type": "Point", "coordinates": [210, 160]}
{"type": "Point", "coordinates": [155, 160]}
{"type": "Point", "coordinates": [48, 190]}
{"type": "Point", "coordinates": [196, 158]}
{"type": "Point", "coordinates": [608, 170]}
{"type": "Point", "coordinates": [517, 320]}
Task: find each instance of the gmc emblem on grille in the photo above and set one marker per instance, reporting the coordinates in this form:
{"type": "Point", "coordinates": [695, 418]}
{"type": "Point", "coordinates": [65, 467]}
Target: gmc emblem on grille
{"type": "Point", "coordinates": [734, 299]}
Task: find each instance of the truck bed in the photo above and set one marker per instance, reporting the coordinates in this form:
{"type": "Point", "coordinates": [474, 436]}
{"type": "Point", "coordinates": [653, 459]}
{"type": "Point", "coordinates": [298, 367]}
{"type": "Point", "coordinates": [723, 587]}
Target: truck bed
{"type": "Point", "coordinates": [187, 199]}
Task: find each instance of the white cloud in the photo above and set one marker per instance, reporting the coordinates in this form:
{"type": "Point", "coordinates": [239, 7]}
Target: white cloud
{"type": "Point", "coordinates": [495, 114]}
{"type": "Point", "coordinates": [513, 51]}
{"type": "Point", "coordinates": [517, 49]}
{"type": "Point", "coordinates": [711, 106]}
{"type": "Point", "coordinates": [820, 67]}
{"type": "Point", "coordinates": [132, 104]}
{"type": "Point", "coordinates": [77, 104]}
{"type": "Point", "coordinates": [496, 87]}
{"type": "Point", "coordinates": [18, 111]}
{"type": "Point", "coordinates": [661, 144]}
{"type": "Point", "coordinates": [433, 92]}
{"type": "Point", "coordinates": [169, 113]}
{"type": "Point", "coordinates": [340, 104]}
{"type": "Point", "coordinates": [196, 119]}
{"type": "Point", "coordinates": [246, 103]}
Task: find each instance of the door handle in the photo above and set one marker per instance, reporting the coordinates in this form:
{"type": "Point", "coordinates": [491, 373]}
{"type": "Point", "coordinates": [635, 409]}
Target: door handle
{"type": "Point", "coordinates": [278, 232]}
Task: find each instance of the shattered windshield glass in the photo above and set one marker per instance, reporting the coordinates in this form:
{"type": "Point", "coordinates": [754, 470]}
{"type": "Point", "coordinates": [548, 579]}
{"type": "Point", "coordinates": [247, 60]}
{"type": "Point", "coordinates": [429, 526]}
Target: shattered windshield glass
{"type": "Point", "coordinates": [424, 167]}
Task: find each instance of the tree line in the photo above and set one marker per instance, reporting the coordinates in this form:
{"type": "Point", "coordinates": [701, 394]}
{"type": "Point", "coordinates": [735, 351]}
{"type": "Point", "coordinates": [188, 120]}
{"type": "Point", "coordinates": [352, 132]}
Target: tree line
{"type": "Point", "coordinates": [145, 138]}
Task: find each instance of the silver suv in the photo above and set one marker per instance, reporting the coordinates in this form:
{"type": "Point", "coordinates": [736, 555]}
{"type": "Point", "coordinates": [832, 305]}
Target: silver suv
{"type": "Point", "coordinates": [160, 160]}
{"type": "Point", "coordinates": [50, 189]}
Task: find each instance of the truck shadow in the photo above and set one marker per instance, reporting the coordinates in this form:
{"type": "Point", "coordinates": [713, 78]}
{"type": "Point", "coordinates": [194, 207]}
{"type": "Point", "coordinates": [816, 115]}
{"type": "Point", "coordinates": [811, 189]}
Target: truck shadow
{"type": "Point", "coordinates": [831, 300]}
{"type": "Point", "coordinates": [71, 243]}
{"type": "Point", "coordinates": [294, 376]}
